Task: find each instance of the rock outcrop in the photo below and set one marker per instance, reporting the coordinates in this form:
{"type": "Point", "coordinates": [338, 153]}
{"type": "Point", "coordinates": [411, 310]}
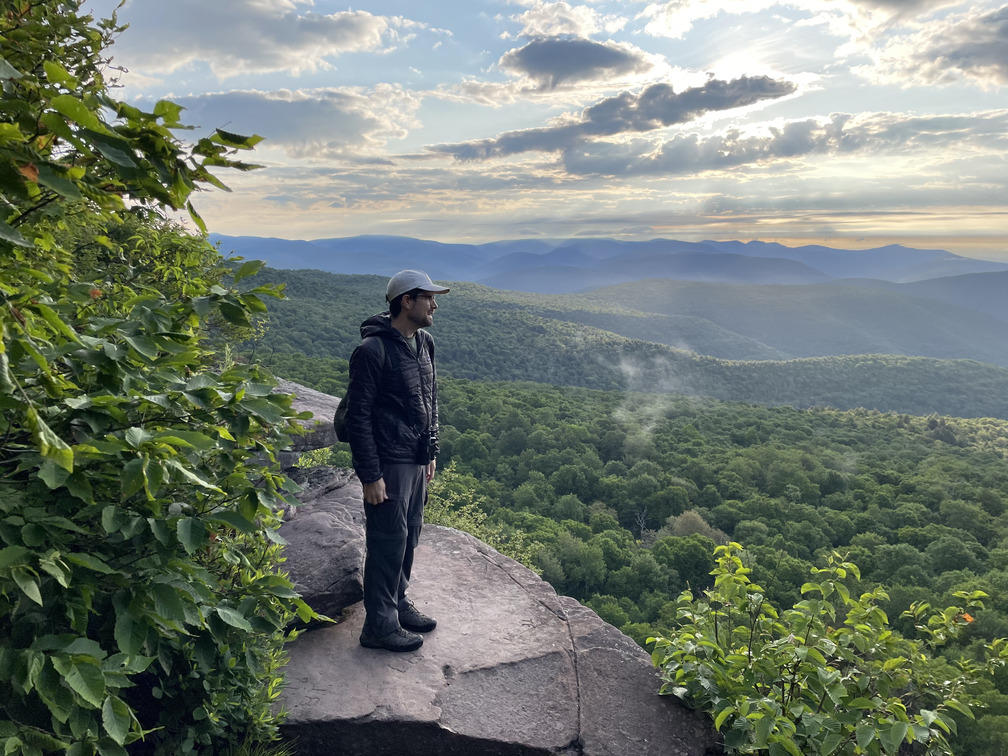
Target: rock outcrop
{"type": "Point", "coordinates": [325, 537]}
{"type": "Point", "coordinates": [511, 670]}
{"type": "Point", "coordinates": [319, 431]}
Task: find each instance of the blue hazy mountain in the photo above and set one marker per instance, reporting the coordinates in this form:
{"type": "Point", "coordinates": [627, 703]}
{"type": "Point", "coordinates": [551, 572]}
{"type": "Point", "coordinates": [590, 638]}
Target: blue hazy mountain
{"type": "Point", "coordinates": [577, 265]}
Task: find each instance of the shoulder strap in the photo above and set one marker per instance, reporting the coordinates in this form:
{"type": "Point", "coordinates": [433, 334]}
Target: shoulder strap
{"type": "Point", "coordinates": [425, 341]}
{"type": "Point", "coordinates": [381, 347]}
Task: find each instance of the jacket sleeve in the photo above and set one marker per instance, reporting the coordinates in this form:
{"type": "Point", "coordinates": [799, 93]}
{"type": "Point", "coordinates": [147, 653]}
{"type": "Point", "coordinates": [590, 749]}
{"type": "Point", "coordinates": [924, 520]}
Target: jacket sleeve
{"type": "Point", "coordinates": [365, 383]}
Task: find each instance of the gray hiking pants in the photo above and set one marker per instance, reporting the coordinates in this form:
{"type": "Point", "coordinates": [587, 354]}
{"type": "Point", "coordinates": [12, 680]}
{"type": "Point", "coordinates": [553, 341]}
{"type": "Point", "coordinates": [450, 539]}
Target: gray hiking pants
{"type": "Point", "coordinates": [392, 531]}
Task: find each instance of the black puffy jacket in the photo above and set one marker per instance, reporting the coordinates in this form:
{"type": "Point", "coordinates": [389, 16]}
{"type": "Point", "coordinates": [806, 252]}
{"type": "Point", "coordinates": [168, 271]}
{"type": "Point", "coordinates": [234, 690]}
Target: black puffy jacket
{"type": "Point", "coordinates": [392, 416]}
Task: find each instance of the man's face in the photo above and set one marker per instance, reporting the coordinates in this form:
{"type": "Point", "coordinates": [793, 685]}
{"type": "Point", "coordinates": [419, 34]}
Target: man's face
{"type": "Point", "coordinates": [420, 311]}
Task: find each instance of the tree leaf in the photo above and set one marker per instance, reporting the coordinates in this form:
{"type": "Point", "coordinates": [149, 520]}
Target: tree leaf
{"type": "Point", "coordinates": [831, 741]}
{"type": "Point", "coordinates": [85, 647]}
{"type": "Point", "coordinates": [790, 746]}
{"type": "Point", "coordinates": [53, 319]}
{"type": "Point", "coordinates": [55, 73]}
{"type": "Point", "coordinates": [722, 716]}
{"type": "Point", "coordinates": [136, 436]}
{"type": "Point", "coordinates": [49, 444]}
{"type": "Point", "coordinates": [145, 345]}
{"type": "Point", "coordinates": [192, 477]}
{"type": "Point", "coordinates": [233, 617]}
{"type": "Point", "coordinates": [11, 555]}
{"type": "Point", "coordinates": [84, 677]}
{"type": "Point", "coordinates": [168, 604]}
{"type": "Point", "coordinates": [191, 533]}
{"type": "Point", "coordinates": [56, 696]}
{"type": "Point", "coordinates": [72, 108]}
{"type": "Point", "coordinates": [116, 718]}
{"type": "Point", "coordinates": [90, 561]}
{"type": "Point", "coordinates": [27, 583]}
{"type": "Point", "coordinates": [108, 747]}
{"type": "Point", "coordinates": [865, 734]}
{"type": "Point", "coordinates": [186, 439]}
{"type": "Point", "coordinates": [196, 217]}
{"type": "Point", "coordinates": [892, 738]}
{"type": "Point", "coordinates": [52, 474]}
{"type": "Point", "coordinates": [59, 183]}
{"type": "Point", "coordinates": [7, 71]}
{"type": "Point", "coordinates": [13, 236]}
{"type": "Point", "coordinates": [130, 633]}
{"type": "Point", "coordinates": [133, 477]}
{"type": "Point", "coordinates": [235, 520]}
{"type": "Point", "coordinates": [248, 268]}
{"type": "Point", "coordinates": [231, 139]}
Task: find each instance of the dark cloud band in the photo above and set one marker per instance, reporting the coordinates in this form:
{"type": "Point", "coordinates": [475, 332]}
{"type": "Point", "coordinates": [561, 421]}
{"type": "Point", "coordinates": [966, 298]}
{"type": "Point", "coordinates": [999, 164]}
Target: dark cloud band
{"type": "Point", "coordinates": [689, 154]}
{"type": "Point", "coordinates": [653, 108]}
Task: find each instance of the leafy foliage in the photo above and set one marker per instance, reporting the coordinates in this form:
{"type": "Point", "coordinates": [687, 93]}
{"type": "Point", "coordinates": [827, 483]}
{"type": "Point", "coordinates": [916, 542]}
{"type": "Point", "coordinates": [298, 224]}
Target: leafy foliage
{"type": "Point", "coordinates": [141, 606]}
{"type": "Point", "coordinates": [454, 503]}
{"type": "Point", "coordinates": [826, 677]}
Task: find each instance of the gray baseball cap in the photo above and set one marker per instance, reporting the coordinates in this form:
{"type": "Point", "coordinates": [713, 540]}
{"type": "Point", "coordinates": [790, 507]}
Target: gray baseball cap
{"type": "Point", "coordinates": [407, 280]}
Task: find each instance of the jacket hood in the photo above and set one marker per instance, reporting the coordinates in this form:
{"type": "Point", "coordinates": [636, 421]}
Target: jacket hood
{"type": "Point", "coordinates": [378, 325]}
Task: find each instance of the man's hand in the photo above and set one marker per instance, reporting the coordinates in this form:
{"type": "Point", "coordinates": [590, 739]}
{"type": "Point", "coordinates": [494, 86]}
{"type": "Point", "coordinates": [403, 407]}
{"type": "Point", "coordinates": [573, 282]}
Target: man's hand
{"type": "Point", "coordinates": [430, 470]}
{"type": "Point", "coordinates": [374, 493]}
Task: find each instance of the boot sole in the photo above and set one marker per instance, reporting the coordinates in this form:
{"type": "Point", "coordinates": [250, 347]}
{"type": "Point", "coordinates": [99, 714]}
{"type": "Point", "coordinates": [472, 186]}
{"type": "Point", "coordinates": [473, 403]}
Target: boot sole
{"type": "Point", "coordinates": [377, 643]}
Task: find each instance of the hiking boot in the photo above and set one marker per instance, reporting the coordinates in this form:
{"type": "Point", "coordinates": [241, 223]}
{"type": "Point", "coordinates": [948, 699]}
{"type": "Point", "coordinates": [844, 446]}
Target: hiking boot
{"type": "Point", "coordinates": [397, 640]}
{"type": "Point", "coordinates": [413, 619]}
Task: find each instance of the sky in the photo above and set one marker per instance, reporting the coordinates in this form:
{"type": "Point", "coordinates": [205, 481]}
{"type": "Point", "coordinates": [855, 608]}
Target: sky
{"type": "Point", "coordinates": [850, 123]}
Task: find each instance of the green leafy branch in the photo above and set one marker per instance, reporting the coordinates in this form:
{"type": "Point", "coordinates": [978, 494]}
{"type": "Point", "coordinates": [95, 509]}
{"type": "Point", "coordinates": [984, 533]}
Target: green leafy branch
{"type": "Point", "coordinates": [826, 677]}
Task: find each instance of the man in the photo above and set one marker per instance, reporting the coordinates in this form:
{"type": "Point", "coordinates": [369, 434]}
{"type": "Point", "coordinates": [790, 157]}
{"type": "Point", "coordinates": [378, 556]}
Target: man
{"type": "Point", "coordinates": [393, 428]}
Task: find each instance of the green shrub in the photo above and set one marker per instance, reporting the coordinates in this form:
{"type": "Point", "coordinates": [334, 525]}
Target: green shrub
{"type": "Point", "coordinates": [825, 677]}
{"type": "Point", "coordinates": [454, 503]}
{"type": "Point", "coordinates": [139, 592]}
{"type": "Point", "coordinates": [141, 606]}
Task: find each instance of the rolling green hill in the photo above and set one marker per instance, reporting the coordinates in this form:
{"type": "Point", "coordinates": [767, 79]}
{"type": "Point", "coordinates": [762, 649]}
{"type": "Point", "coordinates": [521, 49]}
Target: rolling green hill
{"type": "Point", "coordinates": [581, 340]}
{"type": "Point", "coordinates": [822, 319]}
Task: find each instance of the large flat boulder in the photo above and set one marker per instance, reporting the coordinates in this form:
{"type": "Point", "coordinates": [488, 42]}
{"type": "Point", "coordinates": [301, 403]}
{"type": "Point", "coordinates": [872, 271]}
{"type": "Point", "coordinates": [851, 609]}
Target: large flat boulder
{"type": "Point", "coordinates": [511, 670]}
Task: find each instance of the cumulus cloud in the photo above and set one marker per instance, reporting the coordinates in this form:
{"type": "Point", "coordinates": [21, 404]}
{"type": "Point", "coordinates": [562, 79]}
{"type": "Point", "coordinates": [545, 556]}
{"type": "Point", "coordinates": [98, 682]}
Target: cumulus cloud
{"type": "Point", "coordinates": [555, 61]}
{"type": "Point", "coordinates": [858, 18]}
{"type": "Point", "coordinates": [971, 46]}
{"type": "Point", "coordinates": [317, 123]}
{"type": "Point", "coordinates": [674, 18]}
{"type": "Point", "coordinates": [249, 36]}
{"type": "Point", "coordinates": [655, 107]}
{"type": "Point", "coordinates": [840, 134]}
{"type": "Point", "coordinates": [562, 19]}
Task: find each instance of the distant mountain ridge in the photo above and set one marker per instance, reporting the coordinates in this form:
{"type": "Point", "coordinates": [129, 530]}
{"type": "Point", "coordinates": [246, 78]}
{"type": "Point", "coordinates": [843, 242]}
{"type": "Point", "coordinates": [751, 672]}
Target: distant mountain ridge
{"type": "Point", "coordinates": [577, 265]}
